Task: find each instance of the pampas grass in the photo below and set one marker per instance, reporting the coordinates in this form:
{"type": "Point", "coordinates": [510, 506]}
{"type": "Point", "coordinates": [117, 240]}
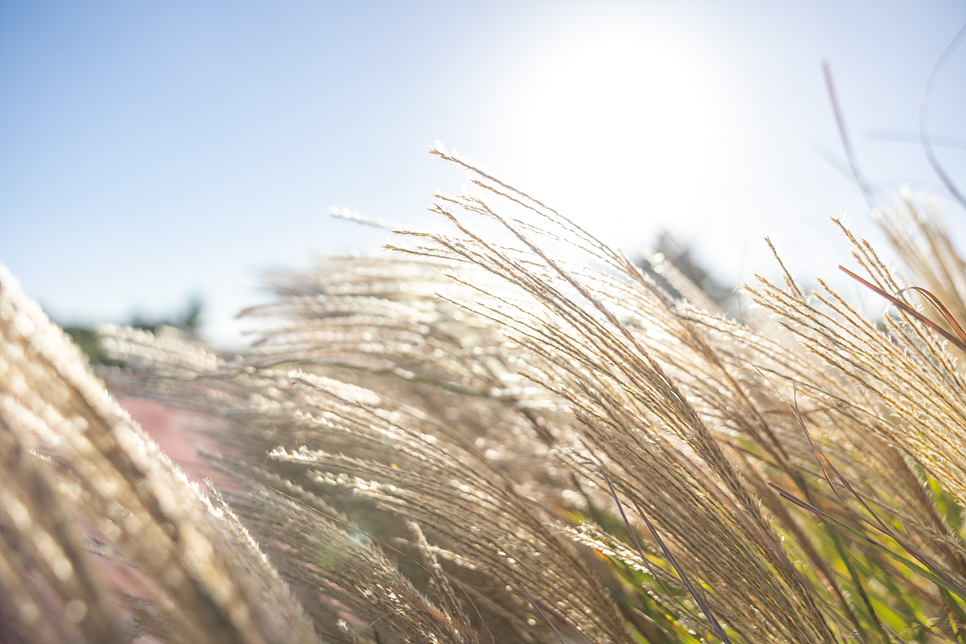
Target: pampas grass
{"type": "Point", "coordinates": [509, 432]}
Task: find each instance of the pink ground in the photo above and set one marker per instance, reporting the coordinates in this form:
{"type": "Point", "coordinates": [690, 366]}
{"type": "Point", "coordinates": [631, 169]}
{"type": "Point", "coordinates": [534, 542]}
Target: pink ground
{"type": "Point", "coordinates": [177, 433]}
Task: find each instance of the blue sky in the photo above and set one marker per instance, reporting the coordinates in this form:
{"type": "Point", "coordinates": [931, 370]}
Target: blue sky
{"type": "Point", "coordinates": [154, 151]}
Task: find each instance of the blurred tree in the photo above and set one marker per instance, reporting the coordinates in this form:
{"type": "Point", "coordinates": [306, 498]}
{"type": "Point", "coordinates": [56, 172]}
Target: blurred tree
{"type": "Point", "coordinates": [683, 259]}
{"type": "Point", "coordinates": [188, 321]}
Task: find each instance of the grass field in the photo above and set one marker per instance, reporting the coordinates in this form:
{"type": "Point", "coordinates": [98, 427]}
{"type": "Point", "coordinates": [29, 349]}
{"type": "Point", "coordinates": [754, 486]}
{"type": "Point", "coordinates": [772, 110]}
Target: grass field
{"type": "Point", "coordinates": [507, 433]}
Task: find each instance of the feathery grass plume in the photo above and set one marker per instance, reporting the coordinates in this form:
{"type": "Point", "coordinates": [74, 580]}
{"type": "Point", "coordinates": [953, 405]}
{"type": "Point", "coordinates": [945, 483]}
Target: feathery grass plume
{"type": "Point", "coordinates": [76, 467]}
{"type": "Point", "coordinates": [480, 390]}
{"type": "Point", "coordinates": [510, 433]}
{"type": "Point", "coordinates": [919, 236]}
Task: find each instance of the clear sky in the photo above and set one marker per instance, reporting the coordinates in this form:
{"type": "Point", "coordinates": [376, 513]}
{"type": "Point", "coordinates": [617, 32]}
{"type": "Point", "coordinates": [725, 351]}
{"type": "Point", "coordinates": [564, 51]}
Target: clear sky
{"type": "Point", "coordinates": [154, 151]}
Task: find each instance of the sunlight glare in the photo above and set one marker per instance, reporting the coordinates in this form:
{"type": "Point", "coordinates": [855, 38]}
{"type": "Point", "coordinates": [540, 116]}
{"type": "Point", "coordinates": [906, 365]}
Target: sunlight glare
{"type": "Point", "coordinates": [624, 121]}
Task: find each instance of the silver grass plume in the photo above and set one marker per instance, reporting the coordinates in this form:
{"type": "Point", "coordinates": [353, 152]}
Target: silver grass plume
{"type": "Point", "coordinates": [511, 433]}
{"type": "Point", "coordinates": [77, 469]}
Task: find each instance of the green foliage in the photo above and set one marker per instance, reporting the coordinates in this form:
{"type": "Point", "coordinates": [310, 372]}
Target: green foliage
{"type": "Point", "coordinates": [89, 342]}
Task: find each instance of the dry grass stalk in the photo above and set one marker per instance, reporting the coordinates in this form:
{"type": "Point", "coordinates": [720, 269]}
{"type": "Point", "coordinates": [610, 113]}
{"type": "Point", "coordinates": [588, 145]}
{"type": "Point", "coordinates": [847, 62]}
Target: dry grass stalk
{"type": "Point", "coordinates": [73, 458]}
{"type": "Point", "coordinates": [511, 435]}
